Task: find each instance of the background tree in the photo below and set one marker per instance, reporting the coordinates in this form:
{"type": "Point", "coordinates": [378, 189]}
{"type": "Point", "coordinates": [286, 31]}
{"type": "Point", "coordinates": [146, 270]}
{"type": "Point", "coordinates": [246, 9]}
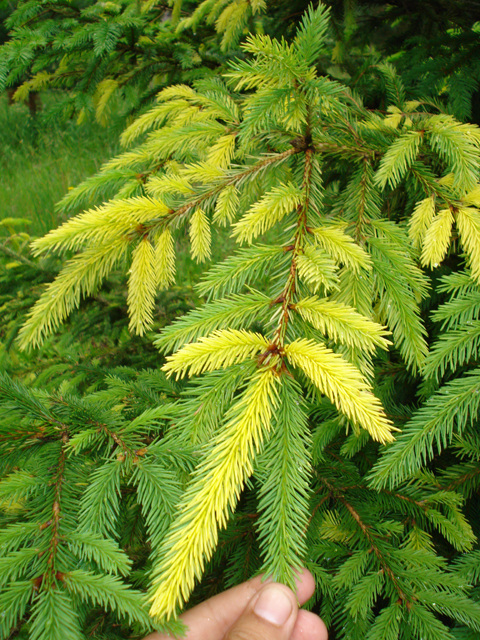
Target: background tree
{"type": "Point", "coordinates": [105, 55]}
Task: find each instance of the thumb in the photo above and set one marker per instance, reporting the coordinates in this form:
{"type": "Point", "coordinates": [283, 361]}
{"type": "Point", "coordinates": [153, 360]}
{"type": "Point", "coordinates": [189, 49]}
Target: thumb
{"type": "Point", "coordinates": [270, 615]}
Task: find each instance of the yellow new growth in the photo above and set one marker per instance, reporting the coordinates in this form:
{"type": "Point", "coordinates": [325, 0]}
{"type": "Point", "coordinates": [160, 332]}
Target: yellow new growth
{"type": "Point", "coordinates": [152, 118]}
{"type": "Point", "coordinates": [200, 236]}
{"type": "Point", "coordinates": [226, 205]}
{"type": "Point", "coordinates": [447, 180]}
{"type": "Point", "coordinates": [80, 277]}
{"type": "Point", "coordinates": [342, 247]}
{"type": "Point", "coordinates": [343, 384]}
{"type": "Point", "coordinates": [110, 222]}
{"type": "Point", "coordinates": [105, 90]}
{"type": "Point", "coordinates": [165, 260]}
{"type": "Point", "coordinates": [468, 223]}
{"type": "Point", "coordinates": [221, 153]}
{"type": "Point", "coordinates": [216, 487]}
{"type": "Point", "coordinates": [203, 172]}
{"type": "Point", "coordinates": [177, 91]}
{"type": "Point", "coordinates": [316, 269]}
{"type": "Point", "coordinates": [343, 324]}
{"type": "Point", "coordinates": [271, 208]}
{"type": "Point", "coordinates": [437, 239]}
{"type": "Point", "coordinates": [473, 197]}
{"type": "Point", "coordinates": [142, 285]}
{"type": "Point", "coordinates": [39, 81]}
{"type": "Point", "coordinates": [220, 349]}
{"type": "Point", "coordinates": [159, 186]}
{"type": "Point", "coordinates": [258, 5]}
{"type": "Point", "coordinates": [393, 120]}
{"type": "Point", "coordinates": [234, 14]}
{"type": "Point", "coordinates": [421, 220]}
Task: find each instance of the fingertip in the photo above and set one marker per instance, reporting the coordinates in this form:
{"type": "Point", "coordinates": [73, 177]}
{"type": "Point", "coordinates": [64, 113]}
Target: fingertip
{"type": "Point", "coordinates": [309, 626]}
{"type": "Point", "coordinates": [305, 585]}
{"type": "Point", "coordinates": [271, 615]}
{"type": "Point", "coordinates": [276, 603]}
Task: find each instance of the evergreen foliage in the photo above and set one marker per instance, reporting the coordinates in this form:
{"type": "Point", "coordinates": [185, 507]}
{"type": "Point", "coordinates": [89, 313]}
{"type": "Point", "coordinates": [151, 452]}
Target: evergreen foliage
{"type": "Point", "coordinates": [102, 57]}
{"type": "Point", "coordinates": [318, 408]}
{"type": "Point", "coordinates": [120, 54]}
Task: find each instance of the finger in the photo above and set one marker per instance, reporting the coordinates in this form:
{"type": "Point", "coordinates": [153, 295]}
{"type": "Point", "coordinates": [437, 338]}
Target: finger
{"type": "Point", "coordinates": [305, 585]}
{"type": "Point", "coordinates": [309, 627]}
{"type": "Point", "coordinates": [211, 619]}
{"type": "Point", "coordinates": [270, 615]}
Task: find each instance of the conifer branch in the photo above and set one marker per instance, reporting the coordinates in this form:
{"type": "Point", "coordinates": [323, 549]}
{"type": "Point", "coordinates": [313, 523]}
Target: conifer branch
{"type": "Point", "coordinates": [448, 411]}
{"type": "Point", "coordinates": [371, 541]}
{"type": "Point", "coordinates": [287, 296]}
{"type": "Point", "coordinates": [58, 481]}
{"type": "Point", "coordinates": [216, 487]}
{"type": "Point", "coordinates": [18, 256]}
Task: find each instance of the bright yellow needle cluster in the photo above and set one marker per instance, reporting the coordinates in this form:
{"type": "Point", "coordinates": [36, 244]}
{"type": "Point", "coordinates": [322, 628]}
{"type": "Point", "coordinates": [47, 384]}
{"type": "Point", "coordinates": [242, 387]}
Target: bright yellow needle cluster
{"type": "Point", "coordinates": [317, 269]}
{"type": "Point", "coordinates": [200, 236]}
{"type": "Point", "coordinates": [105, 90]}
{"type": "Point", "coordinates": [437, 238]}
{"type": "Point", "coordinates": [142, 286]}
{"type": "Point", "coordinates": [221, 349]}
{"type": "Point", "coordinates": [172, 182]}
{"type": "Point", "coordinates": [216, 488]}
{"type": "Point", "coordinates": [165, 260]}
{"type": "Point", "coordinates": [226, 205]}
{"type": "Point", "coordinates": [343, 384]}
{"type": "Point", "coordinates": [155, 116]}
{"type": "Point", "coordinates": [204, 172]}
{"type": "Point", "coordinates": [267, 211]}
{"type": "Point", "coordinates": [81, 276]}
{"type": "Point", "coordinates": [432, 232]}
{"type": "Point", "coordinates": [468, 223]}
{"type": "Point", "coordinates": [473, 197]}
{"type": "Point", "coordinates": [107, 231]}
{"type": "Point", "coordinates": [221, 153]}
{"type": "Point", "coordinates": [343, 324]}
{"type": "Point", "coordinates": [421, 220]}
{"type": "Point", "coordinates": [107, 223]}
{"type": "Point", "coordinates": [342, 247]}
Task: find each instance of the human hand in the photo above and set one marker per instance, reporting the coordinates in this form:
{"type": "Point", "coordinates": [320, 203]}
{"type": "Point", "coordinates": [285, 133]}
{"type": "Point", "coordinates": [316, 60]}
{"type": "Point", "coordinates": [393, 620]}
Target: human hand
{"type": "Point", "coordinates": [255, 610]}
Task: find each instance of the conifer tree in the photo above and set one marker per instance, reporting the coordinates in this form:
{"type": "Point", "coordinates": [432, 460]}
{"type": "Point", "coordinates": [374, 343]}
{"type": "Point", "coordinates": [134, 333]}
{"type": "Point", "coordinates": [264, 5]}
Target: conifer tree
{"type": "Point", "coordinates": [115, 57]}
{"type": "Point", "coordinates": [272, 431]}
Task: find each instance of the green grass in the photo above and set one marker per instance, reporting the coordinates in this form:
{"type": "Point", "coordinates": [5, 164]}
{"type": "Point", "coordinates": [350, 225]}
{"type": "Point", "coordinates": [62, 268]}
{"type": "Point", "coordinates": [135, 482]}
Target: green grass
{"type": "Point", "coordinates": [39, 162]}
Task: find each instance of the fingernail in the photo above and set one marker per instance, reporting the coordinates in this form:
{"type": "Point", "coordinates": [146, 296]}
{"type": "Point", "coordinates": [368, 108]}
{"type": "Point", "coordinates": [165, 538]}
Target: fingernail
{"type": "Point", "coordinates": [273, 605]}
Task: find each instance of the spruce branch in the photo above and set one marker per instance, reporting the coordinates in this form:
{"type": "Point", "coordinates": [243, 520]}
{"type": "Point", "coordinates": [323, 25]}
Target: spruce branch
{"type": "Point", "coordinates": [372, 542]}
{"type": "Point", "coordinates": [445, 413]}
{"type": "Point", "coordinates": [216, 487]}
